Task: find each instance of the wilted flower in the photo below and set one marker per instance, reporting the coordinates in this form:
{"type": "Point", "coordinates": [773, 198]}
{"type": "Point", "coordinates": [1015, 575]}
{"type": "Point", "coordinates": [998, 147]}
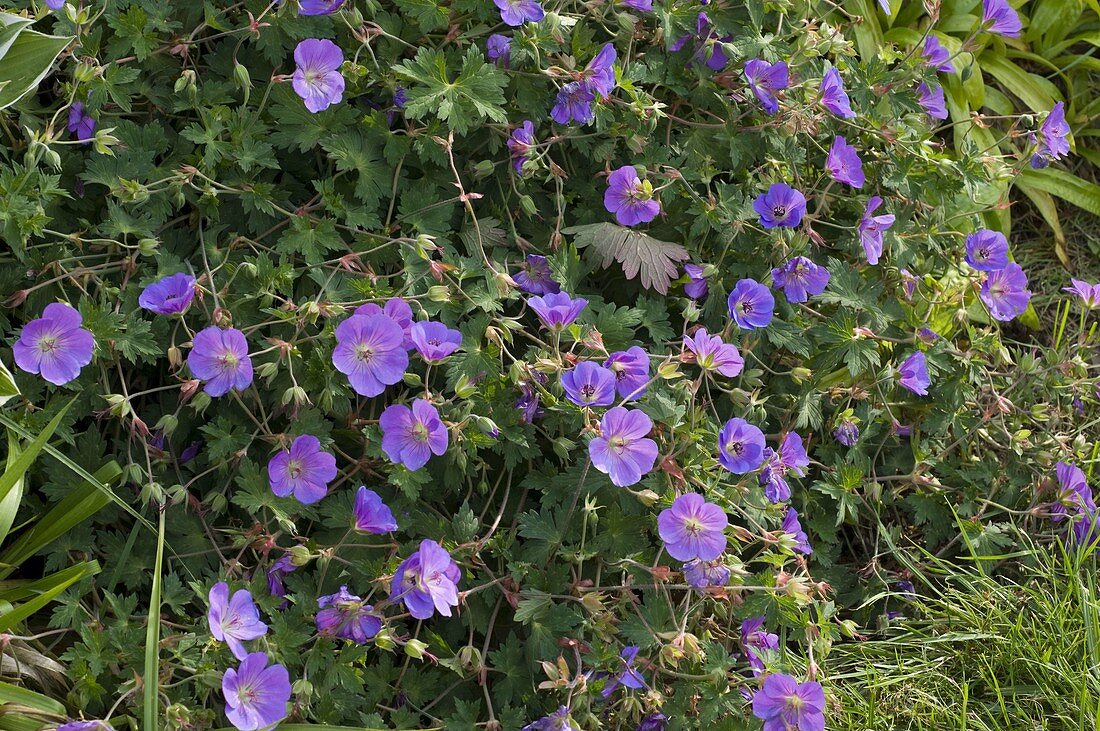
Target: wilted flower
{"type": "Point", "coordinates": [631, 369]}
{"type": "Point", "coordinates": [712, 354]}
{"type": "Point", "coordinates": [630, 198]}
{"type": "Point", "coordinates": [370, 351]}
{"type": "Point", "coordinates": [708, 44]}
{"type": "Point", "coordinates": [171, 295]}
{"type": "Point", "coordinates": [800, 279]}
{"type": "Point", "coordinates": [1052, 142]}
{"type": "Point", "coordinates": [1005, 292]}
{"type": "Point", "coordinates": [702, 574]}
{"type": "Point", "coordinates": [766, 79]}
{"type": "Point", "coordinates": [843, 163]}
{"type": "Point", "coordinates": [784, 703]}
{"type": "Point", "coordinates": [518, 12]}
{"type": "Point", "coordinates": [871, 229]}
{"type": "Point", "coordinates": [936, 56]}
{"type": "Point", "coordinates": [794, 528]}
{"type": "Point", "coordinates": [755, 638]}
{"type": "Point", "coordinates": [847, 433]}
{"type": "Point", "coordinates": [557, 310]}
{"type": "Point", "coordinates": [693, 528]}
{"type": "Point", "coordinates": [345, 615]}
{"type": "Point", "coordinates": [1088, 293]}
{"type": "Point", "coordinates": [80, 123]}
{"type": "Point", "coordinates": [434, 340]}
{"type": "Point", "coordinates": [235, 620]}
{"type": "Point", "coordinates": [498, 49]}
{"type": "Point", "coordinates": [535, 277]}
{"type": "Point", "coordinates": [255, 694]}
{"type": "Point", "coordinates": [55, 345]}
{"type": "Point", "coordinates": [220, 357]}
{"type": "Point", "coordinates": [427, 581]}
{"type": "Point", "coordinates": [833, 96]}
{"type": "Point", "coordinates": [932, 101]}
{"type": "Point", "coordinates": [913, 374]}
{"type": "Point", "coordinates": [371, 515]}
{"type": "Point", "coordinates": [791, 457]}
{"type": "Point", "coordinates": [304, 471]}
{"type": "Point", "coordinates": [589, 384]}
{"type": "Point", "coordinates": [987, 251]}
{"type": "Point", "coordinates": [999, 17]}
{"type": "Point", "coordinates": [520, 143]}
{"type": "Point", "coordinates": [751, 304]}
{"type": "Point", "coordinates": [697, 287]}
{"type": "Point", "coordinates": [628, 677]}
{"type": "Point", "coordinates": [782, 205]}
{"type": "Point", "coordinates": [622, 451]}
{"type": "Point", "coordinates": [740, 446]}
{"type": "Point", "coordinates": [410, 436]}
{"type": "Point", "coordinates": [318, 80]}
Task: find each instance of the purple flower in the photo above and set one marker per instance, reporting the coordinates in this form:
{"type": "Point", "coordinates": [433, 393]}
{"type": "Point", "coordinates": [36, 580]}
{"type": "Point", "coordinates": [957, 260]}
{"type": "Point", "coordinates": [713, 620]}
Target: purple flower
{"type": "Point", "coordinates": [518, 12]}
{"type": "Point", "coordinates": [255, 694]}
{"type": "Point", "coordinates": [987, 251]}
{"type": "Point", "coordinates": [275, 573]}
{"type": "Point", "coordinates": [708, 44]}
{"type": "Point", "coordinates": [622, 450]}
{"type": "Point", "coordinates": [628, 677]}
{"type": "Point", "coordinates": [400, 99]}
{"type": "Point", "coordinates": [1053, 138]}
{"type": "Point", "coordinates": [642, 6]}
{"type": "Point", "coordinates": [557, 310]}
{"type": "Point", "coordinates": [885, 5]}
{"type": "Point", "coordinates": [932, 101]}
{"type": "Point", "coordinates": [370, 351]}
{"type": "Point", "coordinates": [600, 72]}
{"type": "Point", "coordinates": [190, 452]}
{"type": "Point", "coordinates": [575, 103]}
{"type": "Point", "coordinates": [559, 720]}
{"type": "Point", "coordinates": [765, 79]}
{"type": "Point", "coordinates": [653, 722]}
{"type": "Point", "coordinates": [630, 198]}
{"type": "Point", "coordinates": [784, 703]}
{"type": "Point", "coordinates": [1088, 293]}
{"type": "Point", "coordinates": [318, 80]}
{"type": "Point", "coordinates": [427, 581]}
{"type": "Point", "coordinates": [937, 56]}
{"type": "Point", "coordinates": [693, 528]}
{"type": "Point", "coordinates": [80, 123]}
{"type": "Point", "coordinates": [751, 304]}
{"type": "Point", "coordinates": [631, 369]}
{"type": "Point", "coordinates": [397, 310]}
{"type": "Point", "coordinates": [589, 384]}
{"type": "Point", "coordinates": [697, 287]}
{"type": "Point", "coordinates": [520, 143]}
{"type": "Point", "coordinates": [782, 205]}
{"type": "Point", "coordinates": [999, 17]}
{"type": "Point", "coordinates": [703, 574]}
{"type": "Point", "coordinates": [235, 620]}
{"type": "Point", "coordinates": [909, 284]}
{"type": "Point", "coordinates": [54, 346]}
{"type": "Point", "coordinates": [913, 374]}
{"type": "Point", "coordinates": [847, 433]}
{"type": "Point", "coordinates": [434, 340]}
{"type": "Point", "coordinates": [411, 436]}
{"type": "Point", "coordinates": [794, 528]}
{"type": "Point", "coordinates": [318, 7]}
{"type": "Point", "coordinates": [171, 295]}
{"type": "Point", "coordinates": [740, 446]}
{"type": "Point", "coordinates": [712, 354]}
{"type": "Point", "coordinates": [498, 49]}
{"type": "Point", "coordinates": [56, 5]}
{"type": "Point", "coordinates": [346, 615]}
{"type": "Point", "coordinates": [220, 357]}
{"type": "Point", "coordinates": [304, 471]}
{"type": "Point", "coordinates": [755, 638]}
{"type": "Point", "coordinates": [906, 589]}
{"type": "Point", "coordinates": [371, 514]}
{"type": "Point", "coordinates": [833, 96]}
{"type": "Point", "coordinates": [529, 402]}
{"type": "Point", "coordinates": [800, 279]}
{"type": "Point", "coordinates": [1005, 292]}
{"type": "Point", "coordinates": [535, 277]}
{"type": "Point", "coordinates": [871, 229]}
{"type": "Point", "coordinates": [843, 163]}
{"type": "Point", "coordinates": [791, 457]}
{"type": "Point", "coordinates": [83, 725]}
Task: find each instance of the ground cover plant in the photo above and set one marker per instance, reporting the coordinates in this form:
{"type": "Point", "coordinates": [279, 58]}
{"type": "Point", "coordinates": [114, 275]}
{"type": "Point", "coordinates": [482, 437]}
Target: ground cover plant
{"type": "Point", "coordinates": [508, 365]}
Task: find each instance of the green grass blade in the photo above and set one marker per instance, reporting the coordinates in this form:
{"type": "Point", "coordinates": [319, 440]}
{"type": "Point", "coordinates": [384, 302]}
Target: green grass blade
{"type": "Point", "coordinates": [152, 638]}
{"type": "Point", "coordinates": [9, 505]}
{"type": "Point", "coordinates": [14, 695]}
{"type": "Point", "coordinates": [61, 581]}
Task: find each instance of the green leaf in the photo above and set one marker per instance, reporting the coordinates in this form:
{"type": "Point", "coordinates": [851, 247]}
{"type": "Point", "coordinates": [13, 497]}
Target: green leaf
{"type": "Point", "coordinates": [152, 638]}
{"type": "Point", "coordinates": [9, 505]}
{"type": "Point", "coordinates": [1066, 186]}
{"type": "Point", "coordinates": [14, 695]}
{"type": "Point", "coordinates": [638, 253]}
{"type": "Point", "coordinates": [476, 94]}
{"type": "Point", "coordinates": [15, 469]}
{"type": "Point", "coordinates": [8, 389]}
{"type": "Point", "coordinates": [27, 61]}
{"type": "Point", "coordinates": [1034, 91]}
{"type": "Point", "coordinates": [50, 587]}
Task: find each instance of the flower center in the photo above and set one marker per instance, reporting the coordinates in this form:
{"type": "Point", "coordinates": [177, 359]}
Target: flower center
{"type": "Point", "coordinates": [794, 703]}
{"type": "Point", "coordinates": [435, 343]}
{"type": "Point", "coordinates": [228, 360]}
{"type": "Point", "coordinates": [779, 211]}
{"type": "Point", "coordinates": [364, 354]}
{"type": "Point", "coordinates": [617, 444]}
{"type": "Point", "coordinates": [746, 307]}
{"type": "Point", "coordinates": [47, 344]}
{"type": "Point", "coordinates": [294, 469]}
{"type": "Point", "coordinates": [693, 526]}
{"type": "Point", "coordinates": [735, 447]}
{"type": "Point", "coordinates": [247, 695]}
{"type": "Point", "coordinates": [419, 432]}
{"type": "Point", "coordinates": [588, 392]}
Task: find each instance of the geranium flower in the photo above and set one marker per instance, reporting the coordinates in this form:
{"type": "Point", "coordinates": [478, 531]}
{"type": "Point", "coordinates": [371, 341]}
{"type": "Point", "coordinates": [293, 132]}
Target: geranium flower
{"type": "Point", "coordinates": [575, 103]}
{"type": "Point", "coordinates": [871, 229]}
{"type": "Point", "coordinates": [847, 433]}
{"type": "Point", "coordinates": [740, 446]}
{"type": "Point", "coordinates": [84, 725]}
{"type": "Point", "coordinates": [275, 573]}
{"type": "Point", "coordinates": [753, 639]}
{"type": "Point", "coordinates": [520, 143]}
{"type": "Point", "coordinates": [397, 310]}
{"type": "Point", "coordinates": [766, 80]}
{"type": "Point", "coordinates": [410, 436]}
{"type": "Point", "coordinates": [171, 295]}
{"type": "Point", "coordinates": [622, 451]}
{"type": "Point", "coordinates": [600, 72]}
{"type": "Point", "coordinates": [535, 276]}
{"type": "Point", "coordinates": [697, 287]}
{"type": "Point", "coordinates": [557, 310]}
{"type": "Point", "coordinates": [714, 355]}
{"type": "Point", "coordinates": [913, 374]}
{"type": "Point", "coordinates": [370, 514]}
{"type": "Point", "coordinates": [800, 279]}
{"type": "Point", "coordinates": [370, 351]}
{"type": "Point", "coordinates": [833, 96]}
{"type": "Point", "coordinates": [703, 574]}
{"type": "Point", "coordinates": [708, 44]}
{"type": "Point", "coordinates": [559, 720]}
{"type": "Point", "coordinates": [80, 123]}
{"type": "Point", "coordinates": [1073, 491]}
{"type": "Point", "coordinates": [784, 703]}
{"type": "Point", "coordinates": [642, 6]}
{"type": "Point", "coordinates": [1001, 18]}
{"type": "Point", "coordinates": [318, 7]}
{"type": "Point", "coordinates": [318, 80]}
{"type": "Point", "coordinates": [987, 251]}
{"type": "Point", "coordinates": [589, 384]}
{"type": "Point", "coordinates": [1052, 142]}
{"type": "Point", "coordinates": [1005, 292]}
{"type": "Point", "coordinates": [631, 369]}
{"type": "Point", "coordinates": [498, 49]}
{"type": "Point", "coordinates": [345, 615]}
{"type": "Point", "coordinates": [304, 471]}
{"type": "Point", "coordinates": [255, 694]}
{"type": "Point", "coordinates": [233, 621]}
{"type": "Point", "coordinates": [54, 346]}
{"type": "Point", "coordinates": [791, 457]}
{"type": "Point", "coordinates": [936, 56]}
{"type": "Point", "coordinates": [427, 581]}
{"type": "Point", "coordinates": [782, 205]}
{"type": "Point", "coordinates": [843, 163]}
{"type": "Point", "coordinates": [220, 357]}
{"type": "Point", "coordinates": [628, 677]}
{"type": "Point", "coordinates": [434, 340]}
{"type": "Point", "coordinates": [1089, 294]}
{"type": "Point", "coordinates": [693, 528]}
{"type": "Point", "coordinates": [794, 528]}
{"type": "Point", "coordinates": [932, 100]}
{"type": "Point", "coordinates": [751, 304]}
{"type": "Point", "coordinates": [630, 198]}
{"type": "Point", "coordinates": [517, 12]}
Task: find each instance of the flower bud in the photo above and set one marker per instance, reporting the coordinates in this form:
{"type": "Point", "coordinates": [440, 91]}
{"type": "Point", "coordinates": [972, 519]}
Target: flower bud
{"type": "Point", "coordinates": [527, 203]}
{"type": "Point", "coordinates": [148, 247]}
{"type": "Point", "coordinates": [415, 648]}
{"type": "Point", "coordinates": [439, 293]}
